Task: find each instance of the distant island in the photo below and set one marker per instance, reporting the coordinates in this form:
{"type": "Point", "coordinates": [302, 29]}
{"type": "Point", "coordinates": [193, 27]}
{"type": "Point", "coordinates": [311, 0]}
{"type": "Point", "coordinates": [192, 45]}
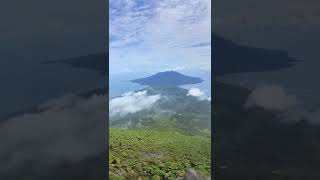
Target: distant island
{"type": "Point", "coordinates": [167, 78]}
{"type": "Point", "coordinates": [225, 57]}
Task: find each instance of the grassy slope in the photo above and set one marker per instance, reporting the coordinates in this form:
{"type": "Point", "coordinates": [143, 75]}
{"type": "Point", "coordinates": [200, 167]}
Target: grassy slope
{"type": "Point", "coordinates": [139, 153]}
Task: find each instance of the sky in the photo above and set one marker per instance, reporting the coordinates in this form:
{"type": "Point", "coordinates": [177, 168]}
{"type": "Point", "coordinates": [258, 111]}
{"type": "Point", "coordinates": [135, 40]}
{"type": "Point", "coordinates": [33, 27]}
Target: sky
{"type": "Point", "coordinates": [159, 35]}
{"type": "Point", "coordinates": [291, 23]}
{"type": "Point", "coordinates": [33, 31]}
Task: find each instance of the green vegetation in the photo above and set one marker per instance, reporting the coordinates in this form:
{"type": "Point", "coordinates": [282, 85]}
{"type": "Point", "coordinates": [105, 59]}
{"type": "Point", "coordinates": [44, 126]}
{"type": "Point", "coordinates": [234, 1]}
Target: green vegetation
{"type": "Point", "coordinates": [163, 141]}
{"type": "Point", "coordinates": [141, 153]}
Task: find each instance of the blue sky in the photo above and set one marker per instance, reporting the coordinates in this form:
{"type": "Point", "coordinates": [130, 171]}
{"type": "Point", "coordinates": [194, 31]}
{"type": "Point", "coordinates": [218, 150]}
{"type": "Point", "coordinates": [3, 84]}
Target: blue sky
{"type": "Point", "coordinates": [158, 35]}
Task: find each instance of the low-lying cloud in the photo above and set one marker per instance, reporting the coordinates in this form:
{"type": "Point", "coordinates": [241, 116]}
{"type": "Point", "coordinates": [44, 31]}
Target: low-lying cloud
{"type": "Point", "coordinates": [275, 98]}
{"type": "Point", "coordinates": [69, 128]}
{"type": "Point", "coordinates": [271, 97]}
{"type": "Point", "coordinates": [200, 95]}
{"type": "Point", "coordinates": [131, 102]}
{"type": "Point", "coordinates": [314, 116]}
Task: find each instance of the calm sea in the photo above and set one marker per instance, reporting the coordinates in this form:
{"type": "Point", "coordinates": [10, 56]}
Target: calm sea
{"type": "Point", "coordinates": [27, 84]}
{"type": "Point", "coordinates": [119, 85]}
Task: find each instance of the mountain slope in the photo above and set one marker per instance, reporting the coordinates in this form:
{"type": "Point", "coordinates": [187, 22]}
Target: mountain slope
{"type": "Point", "coordinates": [174, 110]}
{"type": "Point", "coordinates": [168, 78]}
{"type": "Point", "coordinates": [159, 154]}
{"type": "Point", "coordinates": [97, 62]}
{"type": "Point", "coordinates": [229, 57]}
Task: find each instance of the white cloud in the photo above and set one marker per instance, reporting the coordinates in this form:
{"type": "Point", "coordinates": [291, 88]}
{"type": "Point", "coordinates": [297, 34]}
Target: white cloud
{"type": "Point", "coordinates": [196, 92]}
{"type": "Point", "coordinates": [275, 98]}
{"type": "Point", "coordinates": [164, 31]}
{"type": "Point", "coordinates": [131, 102]}
{"type": "Point", "coordinates": [271, 97]}
{"type": "Point", "coordinates": [314, 117]}
{"type": "Point", "coordinates": [69, 128]}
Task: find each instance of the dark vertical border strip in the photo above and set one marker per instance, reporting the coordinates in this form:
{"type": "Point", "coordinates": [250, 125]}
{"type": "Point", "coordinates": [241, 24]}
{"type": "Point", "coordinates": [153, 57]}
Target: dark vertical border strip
{"type": "Point", "coordinates": [107, 89]}
{"type": "Point", "coordinates": [213, 121]}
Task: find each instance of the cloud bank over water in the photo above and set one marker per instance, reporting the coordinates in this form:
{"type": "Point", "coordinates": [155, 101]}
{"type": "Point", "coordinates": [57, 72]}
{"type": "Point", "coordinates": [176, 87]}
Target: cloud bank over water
{"type": "Point", "coordinates": [70, 128]}
{"type": "Point", "coordinates": [276, 98]}
{"type": "Point", "coordinates": [131, 102]}
{"type": "Point", "coordinates": [200, 95]}
{"type": "Point", "coordinates": [271, 97]}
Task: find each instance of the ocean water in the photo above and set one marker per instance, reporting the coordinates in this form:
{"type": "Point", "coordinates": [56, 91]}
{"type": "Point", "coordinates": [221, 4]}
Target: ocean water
{"type": "Point", "coordinates": [119, 85]}
{"type": "Point", "coordinates": [27, 84]}
{"type": "Point", "coordinates": [205, 86]}
{"type": "Point", "coordinates": [299, 80]}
